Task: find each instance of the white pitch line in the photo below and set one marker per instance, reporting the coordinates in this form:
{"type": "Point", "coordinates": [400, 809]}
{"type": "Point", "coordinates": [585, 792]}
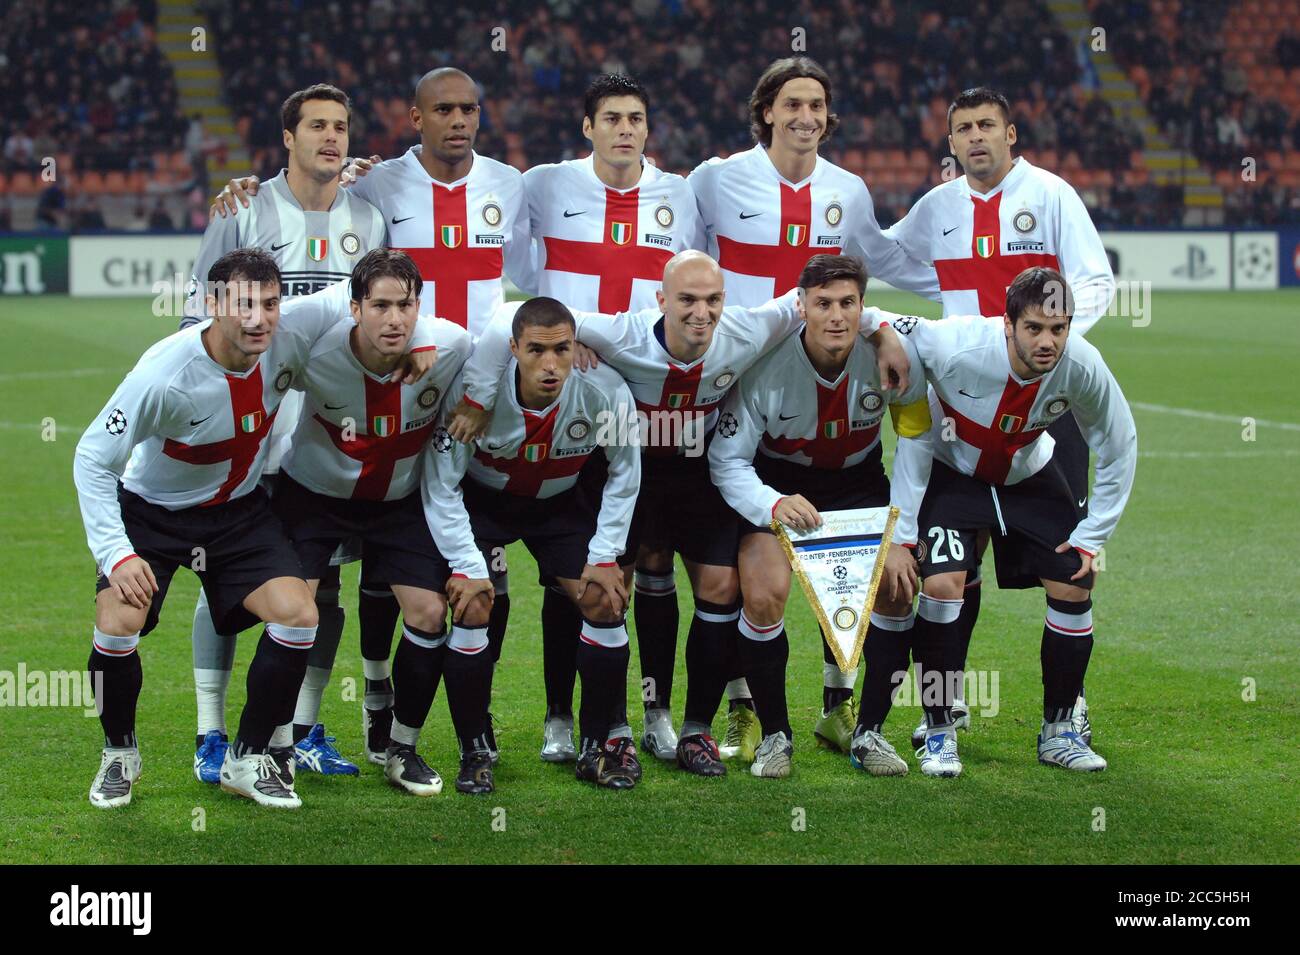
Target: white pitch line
{"type": "Point", "coordinates": [54, 374]}
{"type": "Point", "coordinates": [1274, 453]}
{"type": "Point", "coordinates": [1212, 416]}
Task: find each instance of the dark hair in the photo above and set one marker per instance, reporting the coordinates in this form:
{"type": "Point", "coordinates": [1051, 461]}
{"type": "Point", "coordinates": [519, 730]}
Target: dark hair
{"type": "Point", "coordinates": [380, 263]}
{"type": "Point", "coordinates": [979, 96]}
{"type": "Point", "coordinates": [612, 84]}
{"type": "Point", "coordinates": [251, 265]}
{"type": "Point", "coordinates": [770, 83]}
{"type": "Point", "coordinates": [1040, 287]}
{"type": "Point", "coordinates": [540, 312]}
{"type": "Point", "coordinates": [291, 111]}
{"type": "Point", "coordinates": [824, 269]}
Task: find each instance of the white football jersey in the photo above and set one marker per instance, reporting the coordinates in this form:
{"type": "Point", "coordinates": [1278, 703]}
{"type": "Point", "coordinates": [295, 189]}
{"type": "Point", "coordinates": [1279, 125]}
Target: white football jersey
{"type": "Point", "coordinates": [601, 249]}
{"type": "Point", "coordinates": [782, 408]}
{"type": "Point", "coordinates": [313, 249]}
{"type": "Point", "coordinates": [678, 401]}
{"type": "Point", "coordinates": [182, 431]}
{"type": "Point", "coordinates": [762, 229]}
{"type": "Point", "coordinates": [362, 434]}
{"type": "Point", "coordinates": [978, 243]}
{"type": "Point", "coordinates": [997, 421]}
{"type": "Point", "coordinates": [462, 235]}
{"type": "Point", "coordinates": [537, 454]}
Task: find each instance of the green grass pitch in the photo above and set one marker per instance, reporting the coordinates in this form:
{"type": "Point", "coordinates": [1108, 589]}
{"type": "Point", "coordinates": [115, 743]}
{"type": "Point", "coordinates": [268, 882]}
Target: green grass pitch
{"type": "Point", "coordinates": [1197, 605]}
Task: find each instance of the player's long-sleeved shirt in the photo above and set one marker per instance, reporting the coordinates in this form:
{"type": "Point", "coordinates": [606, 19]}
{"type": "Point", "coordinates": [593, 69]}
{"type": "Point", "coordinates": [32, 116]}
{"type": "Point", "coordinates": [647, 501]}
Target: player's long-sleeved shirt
{"type": "Point", "coordinates": [603, 249]}
{"type": "Point", "coordinates": [313, 249]}
{"type": "Point", "coordinates": [362, 435]}
{"type": "Point", "coordinates": [783, 409]}
{"type": "Point", "coordinates": [462, 235]}
{"type": "Point", "coordinates": [762, 229]}
{"type": "Point", "coordinates": [997, 421]}
{"type": "Point", "coordinates": [537, 454]}
{"type": "Point", "coordinates": [678, 401]}
{"type": "Point", "coordinates": [183, 431]}
{"type": "Point", "coordinates": [979, 243]}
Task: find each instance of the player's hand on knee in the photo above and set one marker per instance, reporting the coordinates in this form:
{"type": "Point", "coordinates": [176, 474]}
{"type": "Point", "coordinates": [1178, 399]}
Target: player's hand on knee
{"type": "Point", "coordinates": [891, 359]}
{"type": "Point", "coordinates": [796, 512]}
{"type": "Point", "coordinates": [1084, 556]}
{"type": "Point", "coordinates": [233, 196]}
{"type": "Point", "coordinates": [468, 422]}
{"type": "Point", "coordinates": [357, 168]}
{"type": "Point", "coordinates": [134, 582]}
{"type": "Point", "coordinates": [607, 579]}
{"type": "Point", "coordinates": [463, 591]}
{"type": "Point", "coordinates": [415, 365]}
{"type": "Point", "coordinates": [900, 581]}
{"type": "Point", "coordinates": [584, 358]}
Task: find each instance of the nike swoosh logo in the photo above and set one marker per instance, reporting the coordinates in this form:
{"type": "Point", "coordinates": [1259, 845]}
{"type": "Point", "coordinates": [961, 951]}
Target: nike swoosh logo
{"type": "Point", "coordinates": [277, 248]}
{"type": "Point", "coordinates": [968, 395]}
{"type": "Point", "coordinates": [397, 221]}
{"type": "Point", "coordinates": [1084, 502]}
{"type": "Point", "coordinates": [749, 215]}
{"type": "Point", "coordinates": [497, 447]}
{"type": "Point", "coordinates": [787, 417]}
{"type": "Point", "coordinates": [330, 407]}
{"type": "Point", "coordinates": [570, 215]}
{"type": "Point", "coordinates": [194, 424]}
{"type": "Point", "coordinates": [953, 229]}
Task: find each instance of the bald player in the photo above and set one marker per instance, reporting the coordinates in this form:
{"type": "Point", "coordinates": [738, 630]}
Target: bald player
{"type": "Point", "coordinates": [680, 360]}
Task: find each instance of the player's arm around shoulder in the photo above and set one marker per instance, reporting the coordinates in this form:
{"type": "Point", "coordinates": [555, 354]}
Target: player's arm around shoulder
{"type": "Point", "coordinates": [488, 360]}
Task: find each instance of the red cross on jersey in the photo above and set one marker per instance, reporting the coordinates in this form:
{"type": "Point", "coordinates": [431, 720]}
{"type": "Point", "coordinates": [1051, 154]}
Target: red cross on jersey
{"type": "Point", "coordinates": [999, 441]}
{"type": "Point", "coordinates": [462, 235]}
{"type": "Point", "coordinates": [385, 443]}
{"type": "Point", "coordinates": [536, 461]}
{"type": "Point", "coordinates": [600, 249]}
{"type": "Point", "coordinates": [251, 424]}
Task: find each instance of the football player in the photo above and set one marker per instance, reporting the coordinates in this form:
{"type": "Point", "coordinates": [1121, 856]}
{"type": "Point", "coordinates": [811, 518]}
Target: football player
{"type": "Point", "coordinates": [800, 434]}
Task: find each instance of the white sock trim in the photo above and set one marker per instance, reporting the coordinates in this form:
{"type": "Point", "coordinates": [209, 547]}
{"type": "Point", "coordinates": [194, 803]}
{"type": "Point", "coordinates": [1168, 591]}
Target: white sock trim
{"type": "Point", "coordinates": [1070, 624]}
{"type": "Point", "coordinates": [896, 624]}
{"type": "Point", "coordinates": [655, 585]}
{"type": "Point", "coordinates": [468, 640]}
{"type": "Point", "coordinates": [598, 635]}
{"type": "Point", "coordinates": [404, 735]}
{"type": "Point", "coordinates": [750, 631]}
{"type": "Point", "coordinates": [937, 610]}
{"type": "Point", "coordinates": [377, 669]}
{"type": "Point", "coordinates": [836, 679]}
{"type": "Point", "coordinates": [295, 638]}
{"type": "Point", "coordinates": [738, 689]}
{"type": "Point", "coordinates": [283, 736]}
{"type": "Point", "coordinates": [210, 688]}
{"type": "Point", "coordinates": [115, 646]}
{"type": "Point", "coordinates": [709, 617]}
{"type": "Point", "coordinates": [429, 643]}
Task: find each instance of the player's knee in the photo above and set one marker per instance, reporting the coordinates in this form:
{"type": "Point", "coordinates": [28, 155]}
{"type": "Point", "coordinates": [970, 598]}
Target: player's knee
{"type": "Point", "coordinates": [765, 605]}
{"type": "Point", "coordinates": [892, 608]}
{"type": "Point", "coordinates": [477, 612]}
{"type": "Point", "coordinates": [654, 560]}
{"type": "Point", "coordinates": [298, 611]}
{"type": "Point", "coordinates": [597, 606]}
{"type": "Point", "coordinates": [425, 612]}
{"type": "Point", "coordinates": [719, 588]}
{"type": "Point", "coordinates": [1058, 590]}
{"type": "Point", "coordinates": [117, 618]}
{"type": "Point", "coordinates": [944, 586]}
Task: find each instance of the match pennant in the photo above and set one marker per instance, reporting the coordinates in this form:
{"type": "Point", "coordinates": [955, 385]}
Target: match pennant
{"type": "Point", "coordinates": [839, 566]}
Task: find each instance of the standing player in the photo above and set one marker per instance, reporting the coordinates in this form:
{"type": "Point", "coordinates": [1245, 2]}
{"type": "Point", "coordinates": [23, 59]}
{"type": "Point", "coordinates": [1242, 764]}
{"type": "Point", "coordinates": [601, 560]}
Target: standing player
{"type": "Point", "coordinates": [811, 411]}
{"type": "Point", "coordinates": [520, 481]}
{"type": "Point", "coordinates": [462, 219]}
{"type": "Point", "coordinates": [603, 228]}
{"type": "Point", "coordinates": [680, 360]}
{"type": "Point", "coordinates": [765, 212]}
{"type": "Point", "coordinates": [315, 232]}
{"type": "Point", "coordinates": [352, 469]}
{"type": "Point", "coordinates": [1002, 383]}
{"type": "Point", "coordinates": [186, 433]}
{"type": "Point", "coordinates": [980, 231]}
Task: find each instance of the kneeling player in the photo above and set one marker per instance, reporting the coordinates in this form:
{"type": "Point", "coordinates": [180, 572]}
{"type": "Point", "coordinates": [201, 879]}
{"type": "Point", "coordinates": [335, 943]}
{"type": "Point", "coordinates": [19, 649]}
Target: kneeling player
{"type": "Point", "coordinates": [353, 471]}
{"type": "Point", "coordinates": [812, 409]}
{"type": "Point", "coordinates": [521, 483]}
{"type": "Point", "coordinates": [999, 384]}
{"type": "Point", "coordinates": [186, 431]}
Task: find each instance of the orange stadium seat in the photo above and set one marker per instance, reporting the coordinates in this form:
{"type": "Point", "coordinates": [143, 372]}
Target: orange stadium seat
{"type": "Point", "coordinates": [91, 183]}
{"type": "Point", "coordinates": [115, 183]}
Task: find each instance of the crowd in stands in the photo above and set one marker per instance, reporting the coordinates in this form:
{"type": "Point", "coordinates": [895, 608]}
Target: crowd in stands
{"type": "Point", "coordinates": [87, 80]}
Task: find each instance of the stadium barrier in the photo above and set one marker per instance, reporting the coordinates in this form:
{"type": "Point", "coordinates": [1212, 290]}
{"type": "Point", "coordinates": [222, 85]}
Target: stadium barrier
{"type": "Point", "coordinates": [133, 264]}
